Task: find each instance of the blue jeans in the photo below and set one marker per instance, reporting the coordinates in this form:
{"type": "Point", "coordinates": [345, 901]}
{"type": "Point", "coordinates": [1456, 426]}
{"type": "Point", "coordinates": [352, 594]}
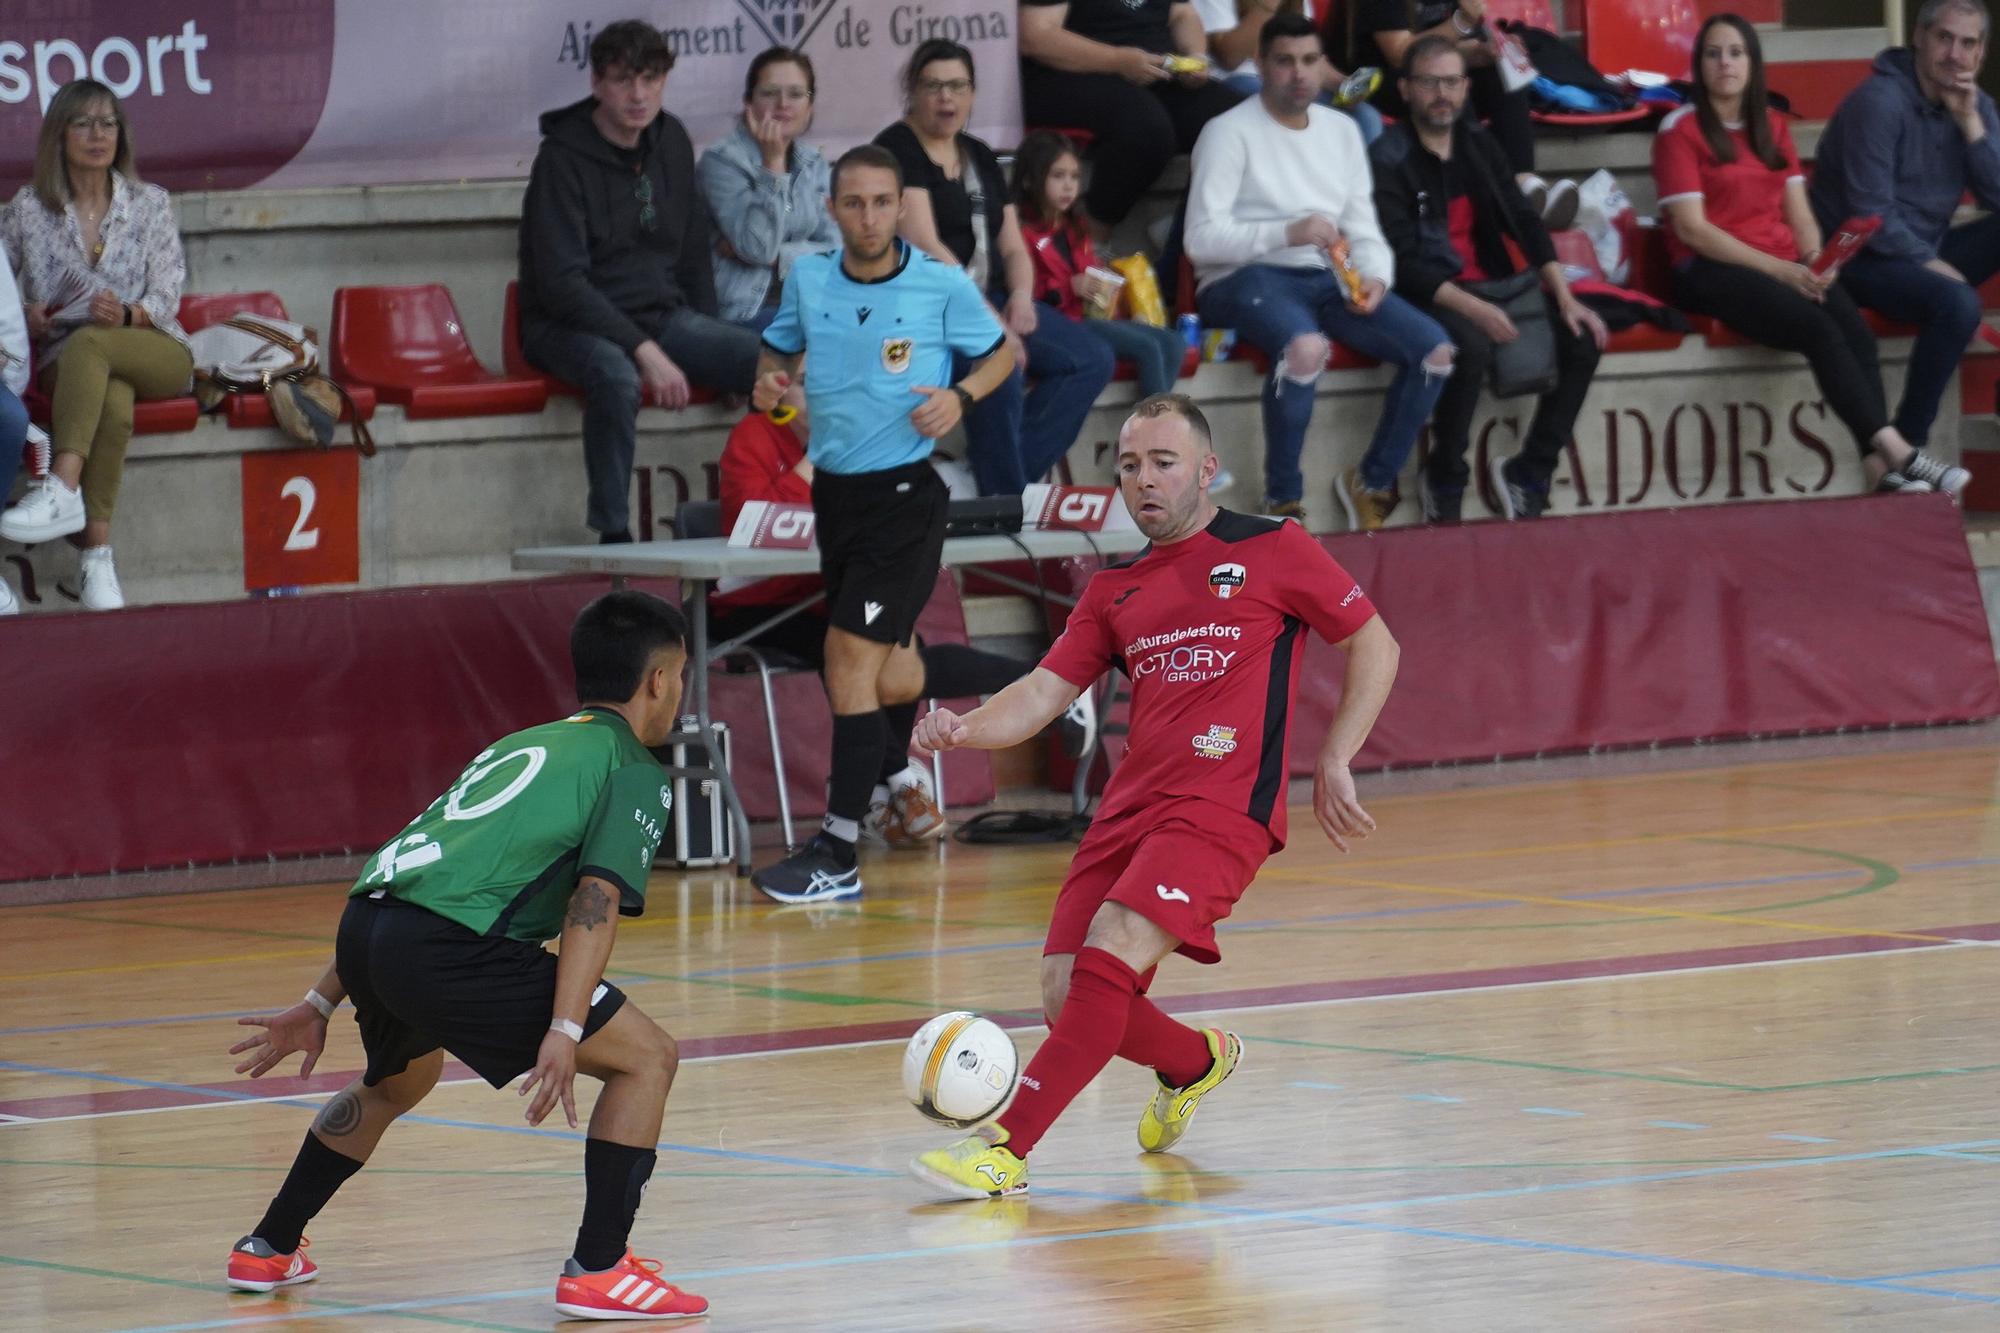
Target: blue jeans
{"type": "Point", "coordinates": [1017, 434]}
{"type": "Point", "coordinates": [1364, 115]}
{"type": "Point", "coordinates": [1156, 353]}
{"type": "Point", "coordinates": [13, 438]}
{"type": "Point", "coordinates": [1945, 312]}
{"type": "Point", "coordinates": [715, 355]}
{"type": "Point", "coordinates": [1269, 306]}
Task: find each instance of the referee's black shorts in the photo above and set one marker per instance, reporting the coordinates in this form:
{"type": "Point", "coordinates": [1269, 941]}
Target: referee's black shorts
{"type": "Point", "coordinates": [420, 981]}
{"type": "Point", "coordinates": [881, 535]}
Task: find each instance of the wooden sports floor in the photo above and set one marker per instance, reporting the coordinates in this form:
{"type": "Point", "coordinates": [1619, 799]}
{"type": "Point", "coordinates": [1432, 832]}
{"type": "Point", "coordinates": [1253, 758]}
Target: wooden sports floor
{"type": "Point", "coordinates": [1666, 1048]}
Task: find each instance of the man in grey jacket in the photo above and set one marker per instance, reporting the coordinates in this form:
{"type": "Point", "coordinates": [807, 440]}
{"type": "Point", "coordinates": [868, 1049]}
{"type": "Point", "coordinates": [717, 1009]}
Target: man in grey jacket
{"type": "Point", "coordinates": [1905, 146]}
{"type": "Point", "coordinates": [617, 284]}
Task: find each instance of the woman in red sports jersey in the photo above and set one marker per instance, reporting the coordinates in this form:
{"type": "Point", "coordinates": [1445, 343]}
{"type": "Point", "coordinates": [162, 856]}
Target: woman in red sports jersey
{"type": "Point", "coordinates": [1209, 623]}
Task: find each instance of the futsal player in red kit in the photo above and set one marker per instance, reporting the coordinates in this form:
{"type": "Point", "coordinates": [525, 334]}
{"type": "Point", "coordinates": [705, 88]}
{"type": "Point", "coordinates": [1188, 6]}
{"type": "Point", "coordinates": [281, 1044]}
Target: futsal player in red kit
{"type": "Point", "coordinates": [1209, 624]}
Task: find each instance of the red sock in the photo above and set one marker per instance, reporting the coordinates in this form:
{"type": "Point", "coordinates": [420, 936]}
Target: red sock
{"type": "Point", "coordinates": [1176, 1051]}
{"type": "Point", "coordinates": [1086, 1035]}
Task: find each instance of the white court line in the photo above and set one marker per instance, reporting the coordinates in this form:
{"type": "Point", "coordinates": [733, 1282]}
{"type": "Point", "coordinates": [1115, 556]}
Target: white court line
{"type": "Point", "coordinates": [9, 1120]}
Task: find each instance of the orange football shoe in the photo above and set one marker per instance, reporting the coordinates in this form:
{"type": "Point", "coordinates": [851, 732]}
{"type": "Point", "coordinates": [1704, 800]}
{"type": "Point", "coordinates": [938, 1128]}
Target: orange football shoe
{"type": "Point", "coordinates": [629, 1289]}
{"type": "Point", "coordinates": [255, 1266]}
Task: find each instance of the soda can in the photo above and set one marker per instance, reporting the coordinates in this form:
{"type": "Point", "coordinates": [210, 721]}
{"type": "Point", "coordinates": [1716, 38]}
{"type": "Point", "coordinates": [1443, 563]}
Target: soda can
{"type": "Point", "coordinates": [1190, 329]}
{"type": "Point", "coordinates": [1217, 344]}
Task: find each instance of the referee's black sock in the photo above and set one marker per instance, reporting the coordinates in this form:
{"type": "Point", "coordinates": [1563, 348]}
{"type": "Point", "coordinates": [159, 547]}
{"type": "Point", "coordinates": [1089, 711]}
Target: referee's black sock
{"type": "Point", "coordinates": [317, 1172]}
{"type": "Point", "coordinates": [901, 720]}
{"type": "Point", "coordinates": [858, 742]}
{"type": "Point", "coordinates": [614, 1180]}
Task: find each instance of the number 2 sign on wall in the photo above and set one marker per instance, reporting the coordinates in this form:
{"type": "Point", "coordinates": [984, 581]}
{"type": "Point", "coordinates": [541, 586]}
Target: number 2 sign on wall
{"type": "Point", "coordinates": [301, 518]}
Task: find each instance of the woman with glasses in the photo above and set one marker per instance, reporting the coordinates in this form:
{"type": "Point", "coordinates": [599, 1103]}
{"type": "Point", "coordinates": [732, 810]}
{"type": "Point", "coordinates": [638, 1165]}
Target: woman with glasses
{"type": "Point", "coordinates": [101, 271]}
{"type": "Point", "coordinates": [956, 209]}
{"type": "Point", "coordinates": [766, 191]}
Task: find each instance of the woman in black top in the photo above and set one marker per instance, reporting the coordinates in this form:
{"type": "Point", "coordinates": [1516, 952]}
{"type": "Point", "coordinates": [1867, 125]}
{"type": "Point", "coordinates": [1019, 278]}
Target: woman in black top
{"type": "Point", "coordinates": [955, 209]}
{"type": "Point", "coordinates": [1100, 66]}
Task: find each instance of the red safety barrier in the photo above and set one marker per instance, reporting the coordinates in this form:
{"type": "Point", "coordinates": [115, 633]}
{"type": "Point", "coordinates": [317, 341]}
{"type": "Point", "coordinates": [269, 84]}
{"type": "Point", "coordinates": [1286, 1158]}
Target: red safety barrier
{"type": "Point", "coordinates": [1665, 625]}
{"type": "Point", "coordinates": [231, 730]}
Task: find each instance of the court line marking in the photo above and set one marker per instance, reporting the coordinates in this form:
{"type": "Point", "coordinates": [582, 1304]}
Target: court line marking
{"type": "Point", "coordinates": [1223, 1003]}
{"type": "Point", "coordinates": [1940, 1272]}
{"type": "Point", "coordinates": [1217, 1216]}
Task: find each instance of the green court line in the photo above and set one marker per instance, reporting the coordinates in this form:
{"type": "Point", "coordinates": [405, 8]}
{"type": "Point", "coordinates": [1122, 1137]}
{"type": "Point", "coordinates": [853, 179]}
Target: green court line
{"type": "Point", "coordinates": [569, 1173]}
{"type": "Point", "coordinates": [1955, 798]}
{"type": "Point", "coordinates": [1880, 876]}
{"type": "Point", "coordinates": [291, 1296]}
{"type": "Point", "coordinates": [1675, 1080]}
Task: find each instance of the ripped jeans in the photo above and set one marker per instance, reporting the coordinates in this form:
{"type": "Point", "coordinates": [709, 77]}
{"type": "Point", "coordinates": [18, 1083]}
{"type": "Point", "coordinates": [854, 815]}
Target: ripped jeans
{"type": "Point", "coordinates": [1269, 307]}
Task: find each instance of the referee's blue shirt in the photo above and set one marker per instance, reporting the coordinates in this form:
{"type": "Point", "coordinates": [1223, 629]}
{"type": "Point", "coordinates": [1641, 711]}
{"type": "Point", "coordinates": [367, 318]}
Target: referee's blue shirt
{"type": "Point", "coordinates": [867, 344]}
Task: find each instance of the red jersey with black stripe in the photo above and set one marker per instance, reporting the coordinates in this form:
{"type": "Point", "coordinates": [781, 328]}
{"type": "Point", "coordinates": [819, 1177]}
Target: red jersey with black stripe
{"type": "Point", "coordinates": [1211, 632]}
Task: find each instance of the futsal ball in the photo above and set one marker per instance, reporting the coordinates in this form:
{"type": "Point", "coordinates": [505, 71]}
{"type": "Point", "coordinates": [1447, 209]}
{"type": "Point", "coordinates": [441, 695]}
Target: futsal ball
{"type": "Point", "coordinates": [959, 1069]}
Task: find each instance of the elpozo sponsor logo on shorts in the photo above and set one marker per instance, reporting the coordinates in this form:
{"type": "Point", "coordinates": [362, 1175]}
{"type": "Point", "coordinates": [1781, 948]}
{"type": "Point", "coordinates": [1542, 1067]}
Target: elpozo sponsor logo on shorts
{"type": "Point", "coordinates": [1218, 742]}
{"type": "Point", "coordinates": [1226, 580]}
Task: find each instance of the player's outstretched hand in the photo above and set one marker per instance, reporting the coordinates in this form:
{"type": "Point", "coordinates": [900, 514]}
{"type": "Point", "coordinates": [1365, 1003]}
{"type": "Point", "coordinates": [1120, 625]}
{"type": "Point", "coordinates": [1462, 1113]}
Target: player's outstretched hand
{"type": "Point", "coordinates": [555, 1070]}
{"type": "Point", "coordinates": [299, 1028]}
{"type": "Point", "coordinates": [1338, 808]}
{"type": "Point", "coordinates": [938, 413]}
{"type": "Point", "coordinates": [940, 730]}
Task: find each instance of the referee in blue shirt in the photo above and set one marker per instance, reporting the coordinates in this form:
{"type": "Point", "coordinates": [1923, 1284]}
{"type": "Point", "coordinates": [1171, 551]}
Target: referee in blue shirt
{"type": "Point", "coordinates": [881, 322]}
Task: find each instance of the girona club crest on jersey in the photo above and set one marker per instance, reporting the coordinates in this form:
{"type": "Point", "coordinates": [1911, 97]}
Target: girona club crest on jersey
{"type": "Point", "coordinates": [1226, 580]}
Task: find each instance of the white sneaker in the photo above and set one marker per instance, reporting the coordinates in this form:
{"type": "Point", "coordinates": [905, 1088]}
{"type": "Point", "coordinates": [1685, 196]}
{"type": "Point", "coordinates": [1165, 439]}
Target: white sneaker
{"type": "Point", "coordinates": [9, 604]}
{"type": "Point", "coordinates": [49, 510]}
{"type": "Point", "coordinates": [100, 581]}
{"type": "Point", "coordinates": [35, 452]}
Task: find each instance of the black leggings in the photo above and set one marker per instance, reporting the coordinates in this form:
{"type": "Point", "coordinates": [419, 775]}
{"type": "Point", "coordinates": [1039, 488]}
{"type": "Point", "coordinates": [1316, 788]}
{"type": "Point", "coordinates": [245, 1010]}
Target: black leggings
{"type": "Point", "coordinates": [1833, 336]}
{"type": "Point", "coordinates": [1136, 131]}
{"type": "Point", "coordinates": [1507, 115]}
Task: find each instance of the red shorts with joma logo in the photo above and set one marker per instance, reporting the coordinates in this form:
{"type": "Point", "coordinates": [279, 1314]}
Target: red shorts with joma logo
{"type": "Point", "coordinates": [1181, 863]}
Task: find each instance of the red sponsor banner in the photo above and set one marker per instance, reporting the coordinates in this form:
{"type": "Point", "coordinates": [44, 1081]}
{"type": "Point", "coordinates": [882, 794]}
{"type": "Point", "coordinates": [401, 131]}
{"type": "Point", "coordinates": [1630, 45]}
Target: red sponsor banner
{"type": "Point", "coordinates": [301, 518]}
{"type": "Point", "coordinates": [767, 524]}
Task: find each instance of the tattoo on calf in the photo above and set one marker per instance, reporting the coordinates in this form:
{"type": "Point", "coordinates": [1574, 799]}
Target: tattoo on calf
{"type": "Point", "coordinates": [589, 907]}
{"type": "Point", "coordinates": [341, 1117]}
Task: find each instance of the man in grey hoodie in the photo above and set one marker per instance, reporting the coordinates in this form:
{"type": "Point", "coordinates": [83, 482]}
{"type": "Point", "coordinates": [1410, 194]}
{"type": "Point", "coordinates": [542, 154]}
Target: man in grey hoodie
{"type": "Point", "coordinates": [617, 284]}
{"type": "Point", "coordinates": [1905, 146]}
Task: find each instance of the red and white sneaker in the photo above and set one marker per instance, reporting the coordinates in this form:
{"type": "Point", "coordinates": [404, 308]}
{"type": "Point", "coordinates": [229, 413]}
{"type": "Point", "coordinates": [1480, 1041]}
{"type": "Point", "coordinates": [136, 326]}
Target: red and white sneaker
{"type": "Point", "coordinates": [255, 1266]}
{"type": "Point", "coordinates": [629, 1289]}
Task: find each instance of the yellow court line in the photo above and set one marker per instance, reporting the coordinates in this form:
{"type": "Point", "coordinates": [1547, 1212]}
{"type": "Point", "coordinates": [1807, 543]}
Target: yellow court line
{"type": "Point", "coordinates": [1619, 909]}
{"type": "Point", "coordinates": [324, 951]}
{"type": "Point", "coordinates": [1641, 839]}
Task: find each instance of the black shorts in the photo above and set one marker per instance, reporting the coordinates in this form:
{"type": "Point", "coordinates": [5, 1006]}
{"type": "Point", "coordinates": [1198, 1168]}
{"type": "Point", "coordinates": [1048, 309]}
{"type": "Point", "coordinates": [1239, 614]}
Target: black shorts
{"type": "Point", "coordinates": [880, 538]}
{"type": "Point", "coordinates": [420, 981]}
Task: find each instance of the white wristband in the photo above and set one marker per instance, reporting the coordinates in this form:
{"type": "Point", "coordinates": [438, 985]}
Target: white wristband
{"type": "Point", "coordinates": [321, 1003]}
{"type": "Point", "coordinates": [574, 1031]}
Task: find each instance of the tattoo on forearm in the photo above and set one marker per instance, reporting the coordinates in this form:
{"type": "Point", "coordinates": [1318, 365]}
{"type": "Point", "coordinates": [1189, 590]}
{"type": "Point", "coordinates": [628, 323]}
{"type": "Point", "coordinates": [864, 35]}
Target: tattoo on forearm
{"type": "Point", "coordinates": [341, 1117]}
{"type": "Point", "coordinates": [589, 907]}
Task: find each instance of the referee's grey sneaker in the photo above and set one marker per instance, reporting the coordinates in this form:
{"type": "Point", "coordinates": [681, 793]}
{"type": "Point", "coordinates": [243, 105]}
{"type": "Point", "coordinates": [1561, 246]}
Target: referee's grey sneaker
{"type": "Point", "coordinates": [812, 874]}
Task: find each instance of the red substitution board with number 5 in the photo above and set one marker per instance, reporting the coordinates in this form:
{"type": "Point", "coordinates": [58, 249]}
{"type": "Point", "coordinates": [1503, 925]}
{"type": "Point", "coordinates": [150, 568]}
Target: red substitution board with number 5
{"type": "Point", "coordinates": [301, 518]}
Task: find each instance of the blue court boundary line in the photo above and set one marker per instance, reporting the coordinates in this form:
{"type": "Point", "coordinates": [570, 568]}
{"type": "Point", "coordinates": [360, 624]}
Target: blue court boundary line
{"type": "Point", "coordinates": [1335, 1216]}
{"type": "Point", "coordinates": [908, 955]}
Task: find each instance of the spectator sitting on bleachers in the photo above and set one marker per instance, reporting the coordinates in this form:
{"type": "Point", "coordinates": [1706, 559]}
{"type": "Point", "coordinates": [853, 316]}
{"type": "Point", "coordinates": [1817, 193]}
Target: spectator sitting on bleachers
{"type": "Point", "coordinates": [1278, 184]}
{"type": "Point", "coordinates": [765, 459]}
{"type": "Point", "coordinates": [13, 412]}
{"type": "Point", "coordinates": [617, 281]}
{"type": "Point", "coordinates": [1379, 32]}
{"type": "Point", "coordinates": [765, 190]}
{"type": "Point", "coordinates": [1100, 66]}
{"type": "Point", "coordinates": [1448, 209]}
{"type": "Point", "coordinates": [1047, 176]}
{"type": "Point", "coordinates": [1742, 235]}
{"type": "Point", "coordinates": [956, 208]}
{"type": "Point", "coordinates": [1233, 27]}
{"type": "Point", "coordinates": [1905, 146]}
{"type": "Point", "coordinates": [101, 267]}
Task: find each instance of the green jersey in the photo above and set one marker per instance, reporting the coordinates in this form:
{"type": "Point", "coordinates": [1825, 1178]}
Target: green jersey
{"type": "Point", "coordinates": [501, 851]}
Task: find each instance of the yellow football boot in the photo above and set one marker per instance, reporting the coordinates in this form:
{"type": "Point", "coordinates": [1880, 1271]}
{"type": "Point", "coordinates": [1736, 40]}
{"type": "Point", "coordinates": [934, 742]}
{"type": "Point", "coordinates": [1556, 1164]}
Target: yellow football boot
{"type": "Point", "coordinates": [979, 1166]}
{"type": "Point", "coordinates": [1168, 1114]}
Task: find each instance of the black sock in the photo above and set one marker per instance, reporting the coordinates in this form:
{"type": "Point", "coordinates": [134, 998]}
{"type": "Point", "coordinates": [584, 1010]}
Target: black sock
{"type": "Point", "coordinates": [316, 1173]}
{"type": "Point", "coordinates": [900, 720]}
{"type": "Point", "coordinates": [858, 742]}
{"type": "Point", "coordinates": [614, 1180]}
{"type": "Point", "coordinates": [618, 538]}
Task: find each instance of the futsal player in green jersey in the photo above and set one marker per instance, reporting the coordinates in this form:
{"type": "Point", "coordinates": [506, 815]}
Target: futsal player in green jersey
{"type": "Point", "coordinates": [548, 833]}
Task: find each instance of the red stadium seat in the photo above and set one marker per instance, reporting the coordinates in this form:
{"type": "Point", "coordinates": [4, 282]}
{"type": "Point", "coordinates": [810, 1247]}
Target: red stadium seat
{"type": "Point", "coordinates": [517, 364]}
{"type": "Point", "coordinates": [252, 411]}
{"type": "Point", "coordinates": [157, 416]}
{"type": "Point", "coordinates": [409, 345]}
{"type": "Point", "coordinates": [1656, 35]}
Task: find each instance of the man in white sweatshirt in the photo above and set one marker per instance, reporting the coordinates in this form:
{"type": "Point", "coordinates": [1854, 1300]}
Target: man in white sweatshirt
{"type": "Point", "coordinates": [1278, 183]}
